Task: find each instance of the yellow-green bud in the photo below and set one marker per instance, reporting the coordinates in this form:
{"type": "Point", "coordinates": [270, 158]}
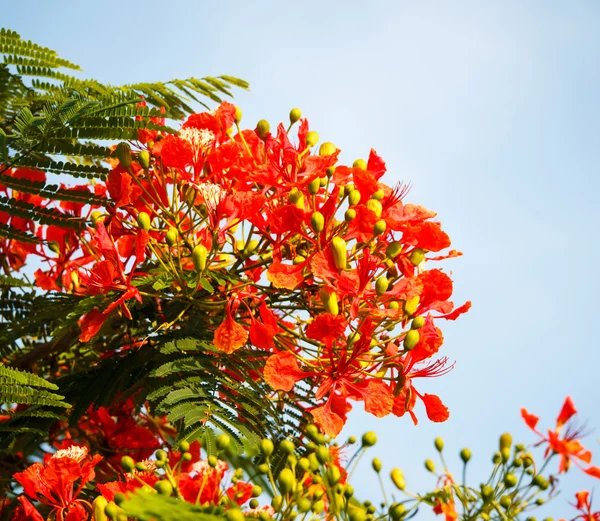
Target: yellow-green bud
{"type": "Point", "coordinates": [127, 463]}
{"type": "Point", "coordinates": [323, 181]}
{"type": "Point", "coordinates": [234, 514]}
{"type": "Point", "coordinates": [277, 503]}
{"type": "Point", "coordinates": [369, 439]}
{"type": "Point", "coordinates": [95, 216]}
{"type": "Point", "coordinates": [263, 468]}
{"type": "Point", "coordinates": [330, 171]}
{"type": "Point", "coordinates": [348, 491]}
{"type": "Point", "coordinates": [99, 505]}
{"type": "Point", "coordinates": [397, 510]}
{"type": "Point", "coordinates": [199, 254]}
{"type": "Point", "coordinates": [333, 474]}
{"type": "Point", "coordinates": [223, 441]}
{"type": "Point", "coordinates": [411, 305]}
{"type": "Point", "coordinates": [465, 455]}
{"type": "Point", "coordinates": [496, 458]}
{"type": "Point", "coordinates": [120, 497]}
{"type": "Point", "coordinates": [318, 506]}
{"type": "Point", "coordinates": [112, 510]}
{"type": "Point", "coordinates": [360, 163]}
{"type": "Point", "coordinates": [266, 447]}
{"type": "Point", "coordinates": [382, 285]}
{"type": "Point", "coordinates": [54, 246]}
{"type": "Point", "coordinates": [295, 115]}
{"type": "Point", "coordinates": [238, 115]}
{"type": "Point", "coordinates": [505, 441]}
{"type": "Point", "coordinates": [123, 153]}
{"type": "Point", "coordinates": [429, 465]}
{"type": "Point", "coordinates": [314, 185]}
{"type": "Point", "coordinates": [304, 464]}
{"type": "Point", "coordinates": [375, 206]}
{"type": "Point", "coordinates": [376, 464]}
{"type": "Point", "coordinates": [262, 129]}
{"type": "Point", "coordinates": [380, 227]}
{"type": "Point", "coordinates": [295, 195]}
{"type": "Point", "coordinates": [212, 461]}
{"type": "Point", "coordinates": [144, 221]}
{"type": "Point", "coordinates": [314, 462]}
{"type": "Point", "coordinates": [357, 514]}
{"type": "Point", "coordinates": [163, 487]}
{"type": "Point", "coordinates": [417, 323]}
{"type": "Point", "coordinates": [327, 149]}
{"type": "Point", "coordinates": [354, 198]}
{"type": "Point", "coordinates": [317, 222]}
{"type": "Point", "coordinates": [411, 339]}
{"type": "Point", "coordinates": [353, 337]}
{"type": "Point", "coordinates": [393, 249]}
{"type": "Point", "coordinates": [350, 215]}
{"type": "Point", "coordinates": [287, 446]}
{"type": "Point", "coordinates": [505, 453]}
{"type": "Point", "coordinates": [393, 305]}
{"type": "Point", "coordinates": [338, 250]}
{"type": "Point", "coordinates": [304, 505]}
{"type": "Point", "coordinates": [510, 480]}
{"type": "Point", "coordinates": [312, 138]}
{"type": "Point", "coordinates": [378, 195]}
{"type": "Point", "coordinates": [541, 482]}
{"type": "Point", "coordinates": [144, 159]}
{"type": "Point", "coordinates": [286, 481]}
{"type": "Point", "coordinates": [256, 491]}
{"type": "Point", "coordinates": [397, 477]}
{"type": "Point", "coordinates": [299, 259]}
{"type": "Point", "coordinates": [505, 502]}
{"type": "Point", "coordinates": [184, 445]}
{"type": "Point", "coordinates": [439, 444]}
{"type": "Point", "coordinates": [322, 454]}
{"type": "Point", "coordinates": [329, 299]}
{"type": "Point", "coordinates": [171, 236]}
{"type": "Point", "coordinates": [416, 256]}
{"type": "Point", "coordinates": [487, 492]}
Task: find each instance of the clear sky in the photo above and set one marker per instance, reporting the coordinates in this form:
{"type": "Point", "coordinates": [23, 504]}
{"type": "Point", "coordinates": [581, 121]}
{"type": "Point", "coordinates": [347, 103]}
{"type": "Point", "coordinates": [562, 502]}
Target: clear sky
{"type": "Point", "coordinates": [490, 110]}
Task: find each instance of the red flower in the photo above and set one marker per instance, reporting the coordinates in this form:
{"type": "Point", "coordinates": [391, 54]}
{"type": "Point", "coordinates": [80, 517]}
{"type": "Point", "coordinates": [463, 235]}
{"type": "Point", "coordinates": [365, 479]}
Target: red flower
{"type": "Point", "coordinates": [568, 447]}
{"type": "Point", "coordinates": [57, 482]}
{"type": "Point", "coordinates": [584, 505]}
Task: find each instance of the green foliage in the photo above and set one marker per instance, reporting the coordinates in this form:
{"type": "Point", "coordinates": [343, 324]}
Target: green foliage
{"type": "Point", "coordinates": [147, 506]}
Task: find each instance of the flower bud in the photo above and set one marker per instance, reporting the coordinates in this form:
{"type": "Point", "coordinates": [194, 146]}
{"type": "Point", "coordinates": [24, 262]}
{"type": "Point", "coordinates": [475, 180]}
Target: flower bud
{"type": "Point", "coordinates": [379, 195]}
{"type": "Point", "coordinates": [163, 487]}
{"type": "Point", "coordinates": [314, 185]}
{"type": "Point", "coordinates": [510, 480]}
{"type": "Point", "coordinates": [329, 299]}
{"type": "Point", "coordinates": [112, 510]}
{"type": "Point", "coordinates": [304, 505]}
{"type": "Point", "coordinates": [417, 323]}
{"type": "Point", "coordinates": [411, 305]}
{"type": "Point", "coordinates": [318, 506]}
{"type": "Point", "coordinates": [323, 181]}
{"type": "Point", "coordinates": [353, 337]}
{"type": "Point", "coordinates": [144, 221]}
{"type": "Point", "coordinates": [286, 481]}
{"type": "Point", "coordinates": [127, 463]}
{"type": "Point", "coordinates": [416, 256]}
{"type": "Point", "coordinates": [496, 458]}
{"type": "Point", "coordinates": [199, 254]}
{"type": "Point", "coordinates": [99, 505]}
{"type": "Point", "coordinates": [286, 446]}
{"type": "Point", "coordinates": [304, 464]}
{"type": "Point", "coordinates": [411, 339]}
{"type": "Point", "coordinates": [251, 245]}
{"type": "Point", "coordinates": [317, 222]}
{"type": "Point", "coordinates": [171, 236]}
{"type": "Point", "coordinates": [382, 284]}
{"type": "Point", "coordinates": [95, 216]}
{"type": "Point", "coordinates": [393, 305]}
{"type": "Point", "coordinates": [354, 198]}
{"type": "Point", "coordinates": [223, 441]}
{"type": "Point", "coordinates": [465, 455]}
{"type": "Point", "coordinates": [123, 154]}
{"type": "Point", "coordinates": [187, 456]}
{"type": "Point", "coordinates": [238, 115]}
{"type": "Point", "coordinates": [393, 249]}
{"type": "Point", "coordinates": [295, 115]}
{"type": "Point", "coordinates": [327, 149]}
{"type": "Point", "coordinates": [143, 158]}
{"type": "Point", "coordinates": [505, 453]}
{"type": "Point", "coordinates": [120, 498]}
{"type": "Point", "coordinates": [380, 227]}
{"type": "Point", "coordinates": [263, 468]}
{"type": "Point", "coordinates": [360, 163]}
{"type": "Point", "coordinates": [375, 206]}
{"type": "Point", "coordinates": [312, 138]}
{"type": "Point", "coordinates": [369, 439]}
{"type": "Point", "coordinates": [266, 447]}
{"type": "Point", "coordinates": [333, 474]}
{"type": "Point", "coordinates": [262, 129]}
{"type": "Point", "coordinates": [234, 514]}
{"type": "Point", "coordinates": [357, 514]}
{"type": "Point", "coordinates": [298, 259]}
{"type": "Point", "coordinates": [338, 250]}
{"type": "Point", "coordinates": [376, 464]}
{"type": "Point", "coordinates": [212, 461]}
{"type": "Point", "coordinates": [505, 502]}
{"type": "Point", "coordinates": [256, 491]}
{"type": "Point", "coordinates": [439, 444]}
{"type": "Point", "coordinates": [397, 510]}
{"type": "Point", "coordinates": [397, 477]}
{"type": "Point", "coordinates": [505, 441]}
{"type": "Point", "coordinates": [184, 445]}
{"type": "Point", "coordinates": [429, 465]}
{"type": "Point", "coordinates": [540, 481]}
{"type": "Point", "coordinates": [350, 215]}
{"type": "Point", "coordinates": [487, 492]}
{"type": "Point", "coordinates": [322, 454]}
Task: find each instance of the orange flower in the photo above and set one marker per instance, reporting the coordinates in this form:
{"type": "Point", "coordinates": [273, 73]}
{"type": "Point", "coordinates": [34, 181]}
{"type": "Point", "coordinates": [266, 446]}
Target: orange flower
{"type": "Point", "coordinates": [568, 447]}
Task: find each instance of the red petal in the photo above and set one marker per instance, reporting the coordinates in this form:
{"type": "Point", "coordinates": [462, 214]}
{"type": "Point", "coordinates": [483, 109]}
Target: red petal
{"type": "Point", "coordinates": [593, 471]}
{"type": "Point", "coordinates": [530, 419]}
{"type": "Point", "coordinates": [282, 371]}
{"type": "Point", "coordinates": [436, 410]}
{"type": "Point", "coordinates": [330, 422]}
{"type": "Point", "coordinates": [285, 276]}
{"type": "Point", "coordinates": [378, 397]}
{"type": "Point", "coordinates": [91, 324]}
{"type": "Point", "coordinates": [567, 411]}
{"type": "Point", "coordinates": [230, 336]}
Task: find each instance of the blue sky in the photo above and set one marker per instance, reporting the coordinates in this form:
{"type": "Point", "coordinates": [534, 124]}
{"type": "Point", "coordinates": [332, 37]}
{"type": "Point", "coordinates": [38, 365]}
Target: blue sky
{"type": "Point", "coordinates": [489, 109]}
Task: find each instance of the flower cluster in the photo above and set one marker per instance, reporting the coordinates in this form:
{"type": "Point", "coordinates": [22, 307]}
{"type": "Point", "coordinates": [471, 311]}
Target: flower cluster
{"type": "Point", "coordinates": [279, 247]}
